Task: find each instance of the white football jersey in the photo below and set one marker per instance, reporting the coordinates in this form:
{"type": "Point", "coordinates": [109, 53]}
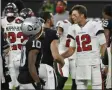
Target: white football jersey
{"type": "Point", "coordinates": [63, 39]}
{"type": "Point", "coordinates": [13, 33]}
{"type": "Point", "coordinates": [87, 43]}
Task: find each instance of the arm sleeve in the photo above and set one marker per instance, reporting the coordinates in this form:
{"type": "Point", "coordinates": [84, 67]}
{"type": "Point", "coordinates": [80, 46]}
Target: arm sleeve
{"type": "Point", "coordinates": [98, 27]}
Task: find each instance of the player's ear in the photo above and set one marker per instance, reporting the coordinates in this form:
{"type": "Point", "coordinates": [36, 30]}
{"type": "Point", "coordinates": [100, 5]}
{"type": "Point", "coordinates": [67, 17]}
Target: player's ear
{"type": "Point", "coordinates": [59, 29]}
{"type": "Point", "coordinates": [82, 15]}
{"type": "Point", "coordinates": [48, 20]}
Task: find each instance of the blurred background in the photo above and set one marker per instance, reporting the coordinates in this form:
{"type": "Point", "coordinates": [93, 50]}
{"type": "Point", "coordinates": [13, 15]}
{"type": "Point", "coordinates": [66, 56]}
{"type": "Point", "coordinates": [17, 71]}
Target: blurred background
{"type": "Point", "coordinates": [94, 6]}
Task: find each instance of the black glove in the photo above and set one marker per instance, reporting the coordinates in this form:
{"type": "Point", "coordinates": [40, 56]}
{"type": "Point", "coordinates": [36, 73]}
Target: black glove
{"type": "Point", "coordinates": [42, 82]}
{"type": "Point", "coordinates": [39, 86]}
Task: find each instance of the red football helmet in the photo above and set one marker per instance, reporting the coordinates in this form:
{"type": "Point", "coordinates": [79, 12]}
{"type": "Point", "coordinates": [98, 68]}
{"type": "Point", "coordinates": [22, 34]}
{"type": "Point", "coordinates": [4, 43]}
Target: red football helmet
{"type": "Point", "coordinates": [26, 12]}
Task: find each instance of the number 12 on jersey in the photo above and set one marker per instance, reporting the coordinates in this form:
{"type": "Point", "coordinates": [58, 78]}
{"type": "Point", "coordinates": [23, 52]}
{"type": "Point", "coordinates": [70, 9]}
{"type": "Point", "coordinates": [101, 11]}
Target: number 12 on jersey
{"type": "Point", "coordinates": [83, 43]}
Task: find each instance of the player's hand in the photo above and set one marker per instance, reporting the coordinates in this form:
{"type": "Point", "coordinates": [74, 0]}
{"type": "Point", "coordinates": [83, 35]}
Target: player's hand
{"type": "Point", "coordinates": [42, 82]}
{"type": "Point", "coordinates": [62, 64]}
{"type": "Point", "coordinates": [6, 52]}
{"type": "Point", "coordinates": [105, 70]}
{"type": "Point", "coordinates": [38, 86]}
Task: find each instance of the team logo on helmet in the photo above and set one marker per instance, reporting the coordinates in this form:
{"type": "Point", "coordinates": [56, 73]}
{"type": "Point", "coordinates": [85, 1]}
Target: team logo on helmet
{"type": "Point", "coordinates": [30, 28]}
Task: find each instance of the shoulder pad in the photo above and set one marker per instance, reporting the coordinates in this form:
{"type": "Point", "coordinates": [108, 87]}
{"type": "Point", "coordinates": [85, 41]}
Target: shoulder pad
{"type": "Point", "coordinates": [18, 20]}
{"type": "Point", "coordinates": [65, 21]}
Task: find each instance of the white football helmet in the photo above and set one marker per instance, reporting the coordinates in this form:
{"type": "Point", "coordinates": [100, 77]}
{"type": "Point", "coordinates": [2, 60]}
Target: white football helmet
{"type": "Point", "coordinates": [60, 24]}
{"type": "Point", "coordinates": [63, 24]}
{"type": "Point", "coordinates": [31, 26]}
{"type": "Point", "coordinates": [11, 10]}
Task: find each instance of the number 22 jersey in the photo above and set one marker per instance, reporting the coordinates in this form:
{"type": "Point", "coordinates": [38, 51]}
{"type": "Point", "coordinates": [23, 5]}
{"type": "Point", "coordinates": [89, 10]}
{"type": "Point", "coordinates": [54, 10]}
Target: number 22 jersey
{"type": "Point", "coordinates": [14, 36]}
{"type": "Point", "coordinates": [87, 42]}
{"type": "Point", "coordinates": [13, 33]}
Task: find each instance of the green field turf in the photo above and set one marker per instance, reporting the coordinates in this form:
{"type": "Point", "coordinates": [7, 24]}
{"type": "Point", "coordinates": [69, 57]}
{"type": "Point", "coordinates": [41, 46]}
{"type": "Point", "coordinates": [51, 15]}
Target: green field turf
{"type": "Point", "coordinates": [69, 84]}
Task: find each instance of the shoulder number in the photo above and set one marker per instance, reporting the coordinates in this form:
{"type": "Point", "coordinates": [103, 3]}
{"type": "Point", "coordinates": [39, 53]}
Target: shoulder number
{"type": "Point", "coordinates": [105, 23]}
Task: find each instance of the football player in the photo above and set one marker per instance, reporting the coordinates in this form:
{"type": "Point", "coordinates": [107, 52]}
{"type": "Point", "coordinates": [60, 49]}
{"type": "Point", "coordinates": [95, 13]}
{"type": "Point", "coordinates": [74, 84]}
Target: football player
{"type": "Point", "coordinates": [69, 67]}
{"type": "Point", "coordinates": [107, 24]}
{"type": "Point", "coordinates": [11, 24]}
{"type": "Point", "coordinates": [49, 50]}
{"type": "Point", "coordinates": [49, 20]}
{"type": "Point", "coordinates": [31, 54]}
{"type": "Point", "coordinates": [87, 38]}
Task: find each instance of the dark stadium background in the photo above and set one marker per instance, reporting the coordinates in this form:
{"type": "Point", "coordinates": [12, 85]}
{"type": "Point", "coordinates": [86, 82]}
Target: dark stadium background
{"type": "Point", "coordinates": [94, 6]}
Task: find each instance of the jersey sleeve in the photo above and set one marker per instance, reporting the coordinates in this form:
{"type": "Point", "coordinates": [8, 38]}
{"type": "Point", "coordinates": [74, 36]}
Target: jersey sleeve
{"type": "Point", "coordinates": [54, 35]}
{"type": "Point", "coordinates": [71, 35]}
{"type": "Point", "coordinates": [107, 24]}
{"type": "Point", "coordinates": [98, 27]}
{"type": "Point", "coordinates": [19, 20]}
